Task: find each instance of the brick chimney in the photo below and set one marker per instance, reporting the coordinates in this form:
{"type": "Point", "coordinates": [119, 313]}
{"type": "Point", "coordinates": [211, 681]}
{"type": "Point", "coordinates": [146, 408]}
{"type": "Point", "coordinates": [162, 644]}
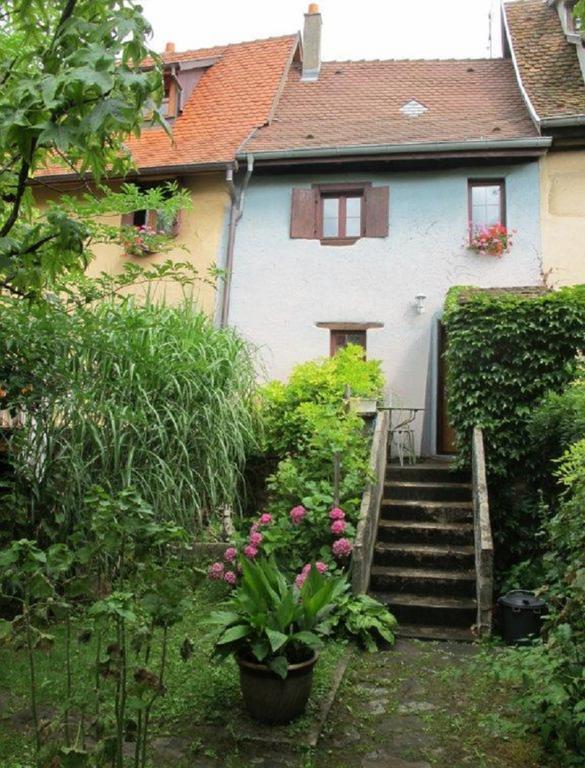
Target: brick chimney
{"type": "Point", "coordinates": [312, 44]}
{"type": "Point", "coordinates": [170, 48]}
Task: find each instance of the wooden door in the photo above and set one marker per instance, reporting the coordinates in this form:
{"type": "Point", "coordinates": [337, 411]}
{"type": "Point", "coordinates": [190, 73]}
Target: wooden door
{"type": "Point", "coordinates": [445, 432]}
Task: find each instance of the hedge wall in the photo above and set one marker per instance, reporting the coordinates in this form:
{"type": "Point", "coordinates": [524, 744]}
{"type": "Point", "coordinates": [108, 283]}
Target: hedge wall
{"type": "Point", "coordinates": [507, 349]}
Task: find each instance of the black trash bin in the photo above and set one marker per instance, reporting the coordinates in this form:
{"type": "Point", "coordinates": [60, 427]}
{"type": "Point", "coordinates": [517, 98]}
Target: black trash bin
{"type": "Point", "coordinates": [521, 614]}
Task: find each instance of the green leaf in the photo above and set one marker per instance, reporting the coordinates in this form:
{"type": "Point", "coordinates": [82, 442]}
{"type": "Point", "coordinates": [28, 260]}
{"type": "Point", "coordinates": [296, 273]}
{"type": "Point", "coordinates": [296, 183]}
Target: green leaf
{"type": "Point", "coordinates": [279, 665]}
{"type": "Point", "coordinates": [234, 633]}
{"type": "Point", "coordinates": [277, 639]}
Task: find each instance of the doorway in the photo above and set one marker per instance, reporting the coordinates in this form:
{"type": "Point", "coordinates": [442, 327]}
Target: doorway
{"type": "Point", "coordinates": [445, 433]}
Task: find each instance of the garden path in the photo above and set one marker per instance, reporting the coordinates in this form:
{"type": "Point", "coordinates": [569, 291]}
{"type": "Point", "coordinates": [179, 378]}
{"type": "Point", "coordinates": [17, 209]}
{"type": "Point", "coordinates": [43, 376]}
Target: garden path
{"type": "Point", "coordinates": [419, 705]}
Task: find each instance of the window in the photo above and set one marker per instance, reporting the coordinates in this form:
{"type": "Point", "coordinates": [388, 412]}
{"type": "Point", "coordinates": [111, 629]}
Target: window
{"type": "Point", "coordinates": [487, 204]}
{"type": "Point", "coordinates": [343, 333]}
{"type": "Point", "coordinates": [157, 221]}
{"type": "Point", "coordinates": [339, 214]}
{"type": "Point", "coordinates": [340, 339]}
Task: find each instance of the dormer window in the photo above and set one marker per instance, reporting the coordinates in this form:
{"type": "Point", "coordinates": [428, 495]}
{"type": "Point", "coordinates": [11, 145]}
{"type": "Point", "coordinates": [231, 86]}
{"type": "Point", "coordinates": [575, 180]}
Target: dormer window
{"type": "Point", "coordinates": [171, 96]}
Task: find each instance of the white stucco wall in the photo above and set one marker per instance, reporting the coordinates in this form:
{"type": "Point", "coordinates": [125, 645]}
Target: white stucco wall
{"type": "Point", "coordinates": [282, 287]}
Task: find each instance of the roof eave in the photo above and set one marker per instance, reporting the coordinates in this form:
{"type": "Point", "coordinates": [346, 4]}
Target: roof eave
{"type": "Point", "coordinates": [562, 121]}
{"type": "Point", "coordinates": [142, 171]}
{"type": "Point", "coordinates": [315, 153]}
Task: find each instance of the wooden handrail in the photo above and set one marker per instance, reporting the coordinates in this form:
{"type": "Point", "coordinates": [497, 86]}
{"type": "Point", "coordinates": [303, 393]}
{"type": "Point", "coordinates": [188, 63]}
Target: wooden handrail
{"type": "Point", "coordinates": [484, 547]}
{"type": "Point", "coordinates": [365, 538]}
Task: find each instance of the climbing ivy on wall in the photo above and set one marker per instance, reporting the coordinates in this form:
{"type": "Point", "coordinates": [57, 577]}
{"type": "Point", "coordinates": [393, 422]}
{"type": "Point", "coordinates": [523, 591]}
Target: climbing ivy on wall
{"type": "Point", "coordinates": [505, 351]}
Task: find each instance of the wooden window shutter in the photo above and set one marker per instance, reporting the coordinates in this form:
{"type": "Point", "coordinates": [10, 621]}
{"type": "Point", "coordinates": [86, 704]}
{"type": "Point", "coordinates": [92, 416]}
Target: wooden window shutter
{"type": "Point", "coordinates": [303, 217]}
{"type": "Point", "coordinates": [127, 219]}
{"type": "Point", "coordinates": [377, 201]}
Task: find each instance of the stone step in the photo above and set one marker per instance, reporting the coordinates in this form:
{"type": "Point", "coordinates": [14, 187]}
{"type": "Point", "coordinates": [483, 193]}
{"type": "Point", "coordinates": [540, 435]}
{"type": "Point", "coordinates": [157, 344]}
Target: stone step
{"type": "Point", "coordinates": [426, 472]}
{"type": "Point", "coordinates": [423, 581]}
{"type": "Point", "coordinates": [438, 511]}
{"type": "Point", "coordinates": [427, 491]}
{"type": "Point", "coordinates": [414, 532]}
{"type": "Point", "coordinates": [444, 634]}
{"type": "Point", "coordinates": [425, 555]}
{"type": "Point", "coordinates": [429, 610]}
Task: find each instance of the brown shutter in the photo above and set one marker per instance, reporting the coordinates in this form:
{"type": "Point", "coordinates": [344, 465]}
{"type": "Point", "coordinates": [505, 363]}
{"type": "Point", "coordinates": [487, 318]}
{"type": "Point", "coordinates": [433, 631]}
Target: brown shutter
{"type": "Point", "coordinates": [151, 218]}
{"type": "Point", "coordinates": [303, 217]}
{"type": "Point", "coordinates": [127, 219]}
{"type": "Point", "coordinates": [377, 210]}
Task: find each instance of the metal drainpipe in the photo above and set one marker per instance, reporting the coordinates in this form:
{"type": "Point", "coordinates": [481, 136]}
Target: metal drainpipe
{"type": "Point", "coordinates": [237, 210]}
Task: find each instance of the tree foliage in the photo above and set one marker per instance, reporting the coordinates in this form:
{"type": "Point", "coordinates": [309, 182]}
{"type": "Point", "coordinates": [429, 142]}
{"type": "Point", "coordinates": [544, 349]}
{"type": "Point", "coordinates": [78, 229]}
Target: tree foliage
{"type": "Point", "coordinates": [72, 90]}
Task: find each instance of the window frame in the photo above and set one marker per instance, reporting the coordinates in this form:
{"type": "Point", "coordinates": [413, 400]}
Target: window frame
{"type": "Point", "coordinates": [485, 182]}
{"type": "Point", "coordinates": [335, 334]}
{"type": "Point", "coordinates": [337, 328]}
{"type": "Point", "coordinates": [341, 192]}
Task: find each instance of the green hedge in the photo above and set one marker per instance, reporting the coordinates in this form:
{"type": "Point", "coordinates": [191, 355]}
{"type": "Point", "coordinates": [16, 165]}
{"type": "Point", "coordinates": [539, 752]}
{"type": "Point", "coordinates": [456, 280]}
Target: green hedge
{"type": "Point", "coordinates": [506, 351]}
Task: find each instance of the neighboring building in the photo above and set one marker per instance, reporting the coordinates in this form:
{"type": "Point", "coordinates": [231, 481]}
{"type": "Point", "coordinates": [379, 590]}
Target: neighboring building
{"type": "Point", "coordinates": [548, 53]}
{"type": "Point", "coordinates": [214, 98]}
{"type": "Point", "coordinates": [364, 188]}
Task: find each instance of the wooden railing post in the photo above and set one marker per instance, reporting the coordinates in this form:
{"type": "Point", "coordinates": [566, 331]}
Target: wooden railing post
{"type": "Point", "coordinates": [484, 547]}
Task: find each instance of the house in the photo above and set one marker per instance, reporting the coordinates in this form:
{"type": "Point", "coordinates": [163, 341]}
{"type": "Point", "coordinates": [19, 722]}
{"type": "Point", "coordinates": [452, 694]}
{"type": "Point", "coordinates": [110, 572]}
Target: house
{"type": "Point", "coordinates": [214, 98]}
{"type": "Point", "coordinates": [361, 195]}
{"type": "Point", "coordinates": [548, 53]}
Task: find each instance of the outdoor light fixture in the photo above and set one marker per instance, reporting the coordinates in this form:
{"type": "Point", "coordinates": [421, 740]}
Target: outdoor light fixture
{"type": "Point", "coordinates": [420, 302]}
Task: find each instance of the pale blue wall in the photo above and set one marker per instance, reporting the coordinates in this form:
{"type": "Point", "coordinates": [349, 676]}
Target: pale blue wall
{"type": "Point", "coordinates": [282, 287]}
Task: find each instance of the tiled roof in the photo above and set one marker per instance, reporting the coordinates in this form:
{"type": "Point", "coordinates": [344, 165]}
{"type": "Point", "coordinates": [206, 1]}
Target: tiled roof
{"type": "Point", "coordinates": [234, 96]}
{"type": "Point", "coordinates": [547, 62]}
{"type": "Point", "coordinates": [359, 103]}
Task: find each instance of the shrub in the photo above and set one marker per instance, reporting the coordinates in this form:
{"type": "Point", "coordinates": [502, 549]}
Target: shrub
{"type": "Point", "coordinates": [306, 422]}
{"type": "Point", "coordinates": [550, 674]}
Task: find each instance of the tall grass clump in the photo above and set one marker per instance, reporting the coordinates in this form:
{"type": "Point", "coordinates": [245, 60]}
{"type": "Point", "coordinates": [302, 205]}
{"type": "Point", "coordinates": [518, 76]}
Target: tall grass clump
{"type": "Point", "coordinates": [118, 394]}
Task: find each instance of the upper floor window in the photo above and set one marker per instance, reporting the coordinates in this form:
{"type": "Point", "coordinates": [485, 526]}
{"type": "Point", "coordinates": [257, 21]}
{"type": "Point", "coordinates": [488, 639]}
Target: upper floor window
{"type": "Point", "coordinates": [154, 221]}
{"type": "Point", "coordinates": [340, 214]}
{"type": "Point", "coordinates": [487, 204]}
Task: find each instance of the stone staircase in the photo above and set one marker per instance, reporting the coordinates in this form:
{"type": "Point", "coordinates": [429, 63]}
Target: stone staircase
{"type": "Point", "coordinates": [423, 566]}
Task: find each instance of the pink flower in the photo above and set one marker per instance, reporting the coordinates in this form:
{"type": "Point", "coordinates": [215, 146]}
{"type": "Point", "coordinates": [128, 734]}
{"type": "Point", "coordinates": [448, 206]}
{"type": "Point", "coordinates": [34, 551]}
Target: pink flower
{"type": "Point", "coordinates": [342, 548]}
{"type": "Point", "coordinates": [265, 519]}
{"type": "Point", "coordinates": [337, 527]}
{"type": "Point", "coordinates": [306, 568]}
{"type": "Point", "coordinates": [300, 580]}
{"type": "Point", "coordinates": [256, 539]}
{"type": "Point", "coordinates": [230, 554]}
{"type": "Point", "coordinates": [297, 514]}
{"type": "Point", "coordinates": [337, 514]}
{"type": "Point", "coordinates": [250, 551]}
{"type": "Point", "coordinates": [321, 567]}
{"type": "Point", "coordinates": [230, 578]}
{"type": "Point", "coordinates": [254, 528]}
{"type": "Point", "coordinates": [215, 571]}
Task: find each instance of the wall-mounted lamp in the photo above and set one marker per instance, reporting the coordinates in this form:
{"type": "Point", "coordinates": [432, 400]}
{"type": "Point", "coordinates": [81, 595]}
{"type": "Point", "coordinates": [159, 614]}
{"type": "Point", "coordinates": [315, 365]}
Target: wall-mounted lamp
{"type": "Point", "coordinates": [420, 299]}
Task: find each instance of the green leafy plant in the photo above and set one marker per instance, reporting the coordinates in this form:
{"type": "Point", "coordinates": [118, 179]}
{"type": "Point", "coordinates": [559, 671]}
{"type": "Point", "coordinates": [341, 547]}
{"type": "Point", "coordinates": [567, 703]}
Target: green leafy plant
{"type": "Point", "coordinates": [118, 393]}
{"type": "Point", "coordinates": [363, 619]}
{"type": "Point", "coordinates": [272, 622]}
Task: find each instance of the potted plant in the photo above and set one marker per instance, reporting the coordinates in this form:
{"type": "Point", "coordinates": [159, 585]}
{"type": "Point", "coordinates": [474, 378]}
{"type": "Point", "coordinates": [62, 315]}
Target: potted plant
{"type": "Point", "coordinates": [493, 241]}
{"type": "Point", "coordinates": [272, 628]}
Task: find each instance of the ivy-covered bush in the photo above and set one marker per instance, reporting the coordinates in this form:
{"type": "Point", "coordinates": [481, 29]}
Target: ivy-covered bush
{"type": "Point", "coordinates": [506, 351]}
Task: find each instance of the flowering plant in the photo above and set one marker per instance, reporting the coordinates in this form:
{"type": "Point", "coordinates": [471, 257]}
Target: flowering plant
{"type": "Point", "coordinates": [495, 240]}
{"type": "Point", "coordinates": [140, 241]}
{"type": "Point", "coordinates": [270, 621]}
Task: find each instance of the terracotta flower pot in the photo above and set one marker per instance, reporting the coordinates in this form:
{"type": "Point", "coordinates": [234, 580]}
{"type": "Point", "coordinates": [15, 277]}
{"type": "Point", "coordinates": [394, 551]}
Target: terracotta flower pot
{"type": "Point", "coordinates": [269, 698]}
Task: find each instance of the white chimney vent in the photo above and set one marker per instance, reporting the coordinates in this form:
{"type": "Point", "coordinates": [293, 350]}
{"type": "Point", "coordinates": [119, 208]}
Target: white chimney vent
{"type": "Point", "coordinates": [413, 108]}
{"type": "Point", "coordinates": [312, 44]}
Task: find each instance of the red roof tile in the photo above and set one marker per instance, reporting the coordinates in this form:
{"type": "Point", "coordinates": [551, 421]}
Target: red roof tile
{"type": "Point", "coordinates": [358, 103]}
{"type": "Point", "coordinates": [547, 62]}
{"type": "Point", "coordinates": [235, 95]}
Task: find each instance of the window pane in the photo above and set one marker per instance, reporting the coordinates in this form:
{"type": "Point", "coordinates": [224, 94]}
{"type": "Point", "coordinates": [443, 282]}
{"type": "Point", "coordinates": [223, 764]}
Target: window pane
{"type": "Point", "coordinates": [486, 206]}
{"type": "Point", "coordinates": [330, 217]}
{"type": "Point", "coordinates": [353, 214]}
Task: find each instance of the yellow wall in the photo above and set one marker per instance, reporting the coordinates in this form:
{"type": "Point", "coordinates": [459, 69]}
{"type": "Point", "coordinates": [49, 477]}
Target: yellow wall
{"type": "Point", "coordinates": [199, 241]}
{"type": "Point", "coordinates": [563, 217]}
